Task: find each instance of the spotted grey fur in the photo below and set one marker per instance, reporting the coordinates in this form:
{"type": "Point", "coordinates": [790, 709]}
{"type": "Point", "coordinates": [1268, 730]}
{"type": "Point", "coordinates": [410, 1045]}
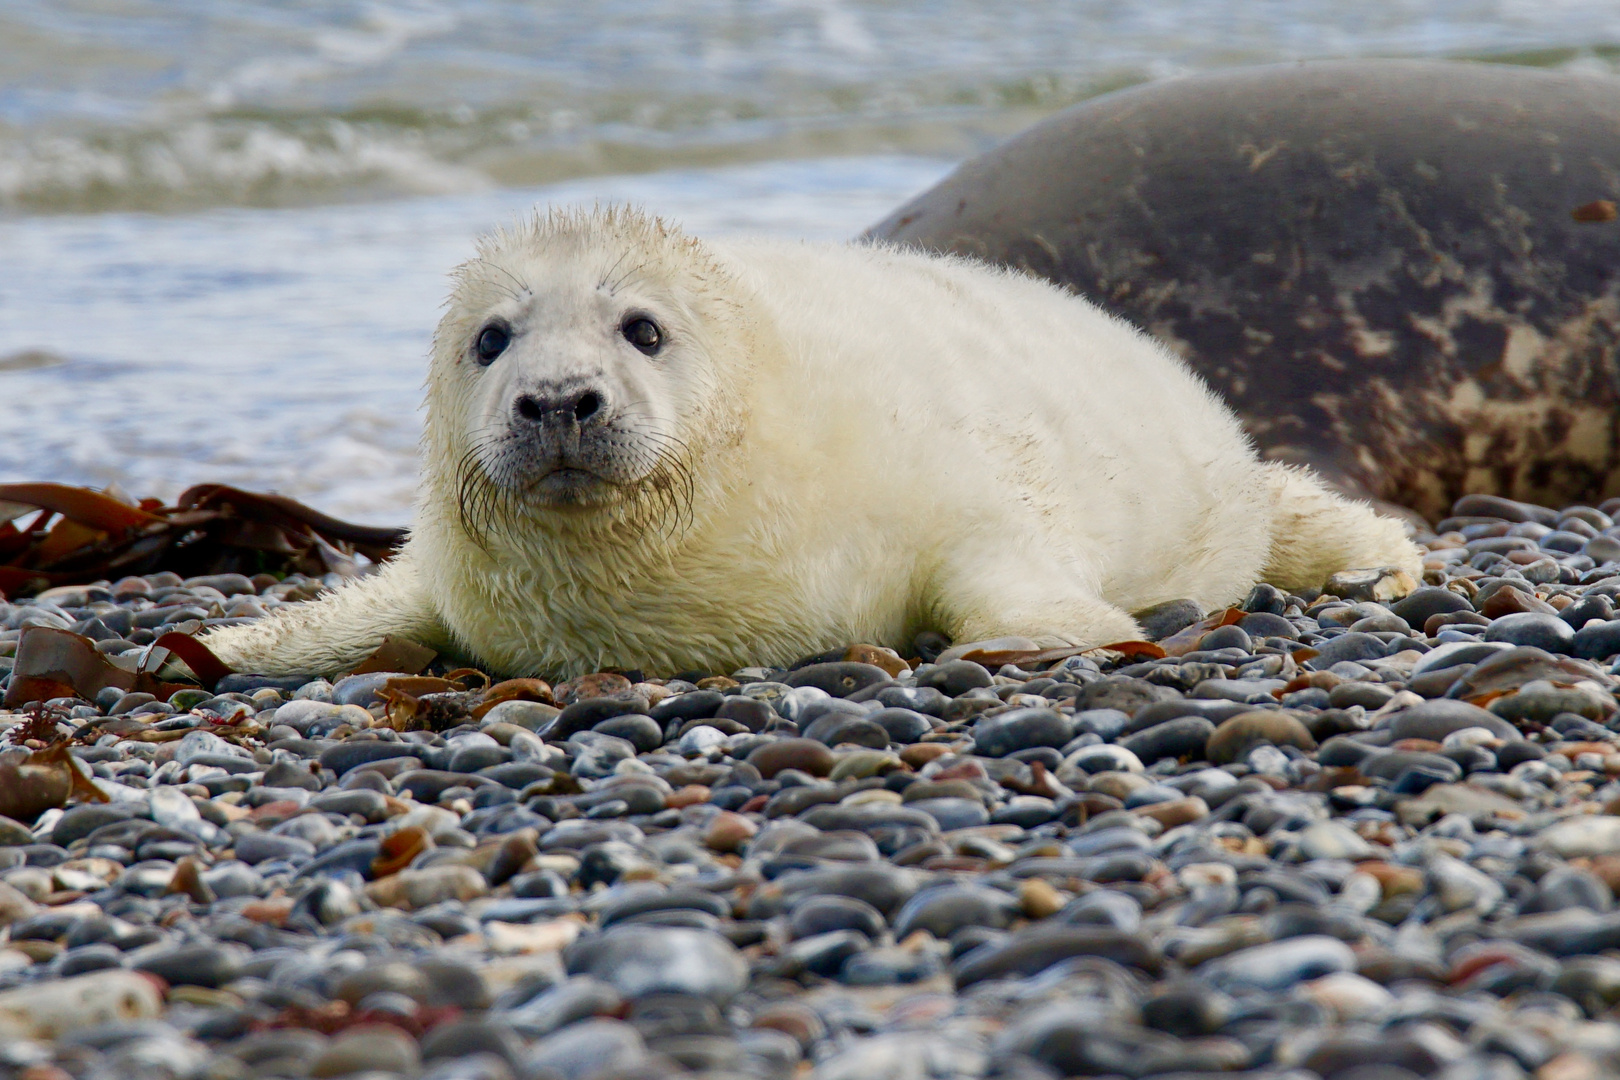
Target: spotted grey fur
{"type": "Point", "coordinates": [1402, 273]}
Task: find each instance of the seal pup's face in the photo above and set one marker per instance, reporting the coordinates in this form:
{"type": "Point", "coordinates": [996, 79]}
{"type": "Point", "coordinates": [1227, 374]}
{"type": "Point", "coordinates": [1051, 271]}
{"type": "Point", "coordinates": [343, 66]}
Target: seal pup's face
{"type": "Point", "coordinates": [576, 353]}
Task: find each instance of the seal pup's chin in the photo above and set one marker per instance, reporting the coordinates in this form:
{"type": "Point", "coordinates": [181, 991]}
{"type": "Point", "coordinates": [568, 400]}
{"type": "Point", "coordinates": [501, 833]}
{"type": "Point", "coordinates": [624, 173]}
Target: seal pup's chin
{"type": "Point", "coordinates": [569, 486]}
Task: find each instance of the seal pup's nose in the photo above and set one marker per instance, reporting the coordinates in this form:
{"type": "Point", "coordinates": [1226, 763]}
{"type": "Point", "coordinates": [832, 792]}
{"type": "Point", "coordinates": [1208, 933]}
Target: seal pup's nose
{"type": "Point", "coordinates": [562, 409]}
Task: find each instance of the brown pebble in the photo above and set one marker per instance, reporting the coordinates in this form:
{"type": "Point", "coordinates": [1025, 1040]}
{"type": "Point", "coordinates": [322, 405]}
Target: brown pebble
{"type": "Point", "coordinates": [1120, 785]}
{"type": "Point", "coordinates": [966, 864]}
{"type": "Point", "coordinates": [187, 879]}
{"type": "Point", "coordinates": [414, 889]}
{"type": "Point", "coordinates": [806, 755]}
{"type": "Point", "coordinates": [919, 754]}
{"type": "Point", "coordinates": [1509, 600]}
{"type": "Point", "coordinates": [398, 850]}
{"type": "Point", "coordinates": [1596, 211]}
{"type": "Point", "coordinates": [729, 831]}
{"type": "Point", "coordinates": [1234, 738]}
{"type": "Point", "coordinates": [37, 950]}
{"type": "Point", "coordinates": [274, 813]}
{"type": "Point", "coordinates": [792, 1018]}
{"type": "Point", "coordinates": [1175, 812]}
{"type": "Point", "coordinates": [44, 1072]}
{"type": "Point", "coordinates": [967, 769]}
{"type": "Point", "coordinates": [600, 684]}
{"type": "Point", "coordinates": [1435, 623]}
{"type": "Point", "coordinates": [653, 692]}
{"type": "Point", "coordinates": [879, 657]}
{"type": "Point", "coordinates": [1039, 898]}
{"type": "Point", "coordinates": [271, 912]}
{"type": "Point", "coordinates": [15, 906]}
{"type": "Point", "coordinates": [511, 856]}
{"type": "Point", "coordinates": [717, 682]}
{"type": "Point", "coordinates": [690, 795]}
{"type": "Point", "coordinates": [514, 690]}
{"type": "Point", "coordinates": [1569, 1065]}
{"type": "Point", "coordinates": [1394, 879]}
{"type": "Point", "coordinates": [1570, 749]}
{"type": "Point", "coordinates": [1607, 870]}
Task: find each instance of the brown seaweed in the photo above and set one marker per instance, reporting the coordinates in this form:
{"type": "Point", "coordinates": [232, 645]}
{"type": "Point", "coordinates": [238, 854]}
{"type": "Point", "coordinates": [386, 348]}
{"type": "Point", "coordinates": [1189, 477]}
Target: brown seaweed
{"type": "Point", "coordinates": [54, 663]}
{"type": "Point", "coordinates": [78, 536]}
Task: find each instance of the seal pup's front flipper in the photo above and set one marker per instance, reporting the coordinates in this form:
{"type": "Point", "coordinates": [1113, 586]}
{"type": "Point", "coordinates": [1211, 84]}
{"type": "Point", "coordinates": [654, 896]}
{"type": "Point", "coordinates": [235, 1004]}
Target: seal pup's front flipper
{"type": "Point", "coordinates": [334, 633]}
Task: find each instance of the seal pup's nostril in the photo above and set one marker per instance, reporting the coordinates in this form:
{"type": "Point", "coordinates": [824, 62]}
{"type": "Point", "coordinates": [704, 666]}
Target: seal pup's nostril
{"type": "Point", "coordinates": [530, 408]}
{"type": "Point", "coordinates": [561, 410]}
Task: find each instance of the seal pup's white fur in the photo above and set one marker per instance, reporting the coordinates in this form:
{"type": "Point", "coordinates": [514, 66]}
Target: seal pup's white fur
{"type": "Point", "coordinates": [835, 444]}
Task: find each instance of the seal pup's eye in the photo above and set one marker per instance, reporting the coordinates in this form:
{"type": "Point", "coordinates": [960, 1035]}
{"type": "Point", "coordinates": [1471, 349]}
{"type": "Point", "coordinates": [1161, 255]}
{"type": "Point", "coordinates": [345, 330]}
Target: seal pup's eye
{"type": "Point", "coordinates": [492, 341]}
{"type": "Point", "coordinates": [644, 334]}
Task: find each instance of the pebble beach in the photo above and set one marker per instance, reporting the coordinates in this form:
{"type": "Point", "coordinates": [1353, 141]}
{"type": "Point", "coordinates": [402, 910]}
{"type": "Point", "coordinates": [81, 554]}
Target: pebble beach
{"type": "Point", "coordinates": [1355, 835]}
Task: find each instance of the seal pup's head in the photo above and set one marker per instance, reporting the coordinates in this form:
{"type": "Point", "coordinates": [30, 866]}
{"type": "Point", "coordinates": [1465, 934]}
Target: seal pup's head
{"type": "Point", "coordinates": [580, 374]}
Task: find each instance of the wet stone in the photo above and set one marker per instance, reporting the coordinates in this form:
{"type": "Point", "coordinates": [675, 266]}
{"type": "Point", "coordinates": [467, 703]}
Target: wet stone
{"type": "Point", "coordinates": [1098, 865]}
{"type": "Point", "coordinates": [1534, 630]}
{"type": "Point", "coordinates": [1104, 907]}
{"type": "Point", "coordinates": [922, 699]}
{"type": "Point", "coordinates": [1033, 950]}
{"type": "Point", "coordinates": [194, 965]}
{"type": "Point", "coordinates": [642, 732]}
{"type": "Point", "coordinates": [1236, 737]}
{"type": "Point", "coordinates": [841, 728]}
{"type": "Point", "coordinates": [1354, 646]}
{"type": "Point", "coordinates": [1435, 720]}
{"type": "Point", "coordinates": [805, 755]}
{"type": "Point", "coordinates": [1597, 641]}
{"type": "Point", "coordinates": [1009, 732]}
{"type": "Point", "coordinates": [839, 679]}
{"type": "Point", "coordinates": [1422, 604]}
{"type": "Point", "coordinates": [642, 960]}
{"type": "Point", "coordinates": [1279, 965]}
{"type": "Point", "coordinates": [361, 690]}
{"type": "Point", "coordinates": [1162, 620]}
{"type": "Point", "coordinates": [591, 1048]}
{"type": "Point", "coordinates": [902, 725]}
{"type": "Point", "coordinates": [368, 1048]}
{"type": "Point", "coordinates": [1184, 737]}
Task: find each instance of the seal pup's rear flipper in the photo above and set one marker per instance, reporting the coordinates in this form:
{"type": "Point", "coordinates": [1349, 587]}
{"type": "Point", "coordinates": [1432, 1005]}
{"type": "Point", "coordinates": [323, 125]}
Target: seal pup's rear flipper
{"type": "Point", "coordinates": [1316, 533]}
{"type": "Point", "coordinates": [1011, 586]}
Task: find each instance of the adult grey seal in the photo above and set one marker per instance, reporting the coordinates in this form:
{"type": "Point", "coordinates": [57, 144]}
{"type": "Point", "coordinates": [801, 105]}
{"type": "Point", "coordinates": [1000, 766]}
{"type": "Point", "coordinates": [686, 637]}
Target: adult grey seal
{"type": "Point", "coordinates": [1401, 273]}
{"type": "Point", "coordinates": [647, 451]}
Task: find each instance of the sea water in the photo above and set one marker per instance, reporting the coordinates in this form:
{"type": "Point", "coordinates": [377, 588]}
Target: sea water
{"type": "Point", "coordinates": [226, 226]}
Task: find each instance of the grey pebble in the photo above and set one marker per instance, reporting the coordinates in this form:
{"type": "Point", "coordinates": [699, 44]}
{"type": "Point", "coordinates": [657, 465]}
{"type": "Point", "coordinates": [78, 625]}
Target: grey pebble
{"type": "Point", "coordinates": [672, 877]}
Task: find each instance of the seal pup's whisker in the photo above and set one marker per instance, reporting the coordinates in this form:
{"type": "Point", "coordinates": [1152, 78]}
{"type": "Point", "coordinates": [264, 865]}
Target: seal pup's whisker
{"type": "Point", "coordinates": [602, 283]}
{"type": "Point", "coordinates": [625, 278]}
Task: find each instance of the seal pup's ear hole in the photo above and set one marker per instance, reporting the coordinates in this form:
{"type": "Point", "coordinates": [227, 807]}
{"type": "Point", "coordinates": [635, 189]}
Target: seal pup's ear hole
{"type": "Point", "coordinates": [643, 333]}
{"type": "Point", "coordinates": [492, 341]}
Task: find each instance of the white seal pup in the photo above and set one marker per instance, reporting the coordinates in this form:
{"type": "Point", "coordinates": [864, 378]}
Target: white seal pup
{"type": "Point", "coordinates": [646, 451]}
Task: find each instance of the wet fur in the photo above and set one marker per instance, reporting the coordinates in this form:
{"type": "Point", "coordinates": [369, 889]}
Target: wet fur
{"type": "Point", "coordinates": [851, 443]}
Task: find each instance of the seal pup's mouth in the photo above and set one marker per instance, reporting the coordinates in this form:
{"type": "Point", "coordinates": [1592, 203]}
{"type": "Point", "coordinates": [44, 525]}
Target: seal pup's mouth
{"type": "Point", "coordinates": [621, 471]}
{"type": "Point", "coordinates": [568, 485]}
